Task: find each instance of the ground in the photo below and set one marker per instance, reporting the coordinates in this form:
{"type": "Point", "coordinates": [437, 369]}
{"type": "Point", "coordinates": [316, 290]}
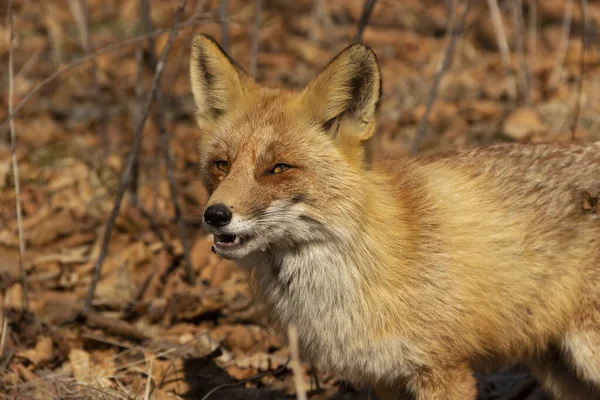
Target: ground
{"type": "Point", "coordinates": [149, 334]}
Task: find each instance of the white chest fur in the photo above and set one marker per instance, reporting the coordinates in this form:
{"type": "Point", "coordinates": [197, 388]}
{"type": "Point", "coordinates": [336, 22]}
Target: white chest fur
{"type": "Point", "coordinates": [317, 289]}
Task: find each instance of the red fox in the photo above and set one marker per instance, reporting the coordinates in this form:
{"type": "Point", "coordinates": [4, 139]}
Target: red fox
{"type": "Point", "coordinates": [403, 274]}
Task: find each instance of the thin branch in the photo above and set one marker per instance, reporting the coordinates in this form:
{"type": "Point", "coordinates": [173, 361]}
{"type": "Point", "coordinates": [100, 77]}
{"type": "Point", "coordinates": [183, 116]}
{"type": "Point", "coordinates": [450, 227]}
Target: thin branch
{"type": "Point", "coordinates": [584, 46]}
{"type": "Point", "coordinates": [126, 176]}
{"type": "Point", "coordinates": [15, 164]}
{"type": "Point", "coordinates": [164, 140]}
{"type": "Point", "coordinates": [564, 44]}
{"type": "Point", "coordinates": [532, 39]}
{"type": "Point", "coordinates": [224, 21]}
{"type": "Point", "coordinates": [149, 380]}
{"type": "Point", "coordinates": [145, 24]}
{"type": "Point", "coordinates": [441, 70]}
{"type": "Point", "coordinates": [255, 39]}
{"type": "Point", "coordinates": [524, 74]}
{"type": "Point", "coordinates": [79, 9]}
{"type": "Point", "coordinates": [502, 46]}
{"type": "Point", "coordinates": [164, 144]}
{"type": "Point", "coordinates": [5, 328]}
{"type": "Point", "coordinates": [85, 59]}
{"type": "Point", "coordinates": [364, 19]}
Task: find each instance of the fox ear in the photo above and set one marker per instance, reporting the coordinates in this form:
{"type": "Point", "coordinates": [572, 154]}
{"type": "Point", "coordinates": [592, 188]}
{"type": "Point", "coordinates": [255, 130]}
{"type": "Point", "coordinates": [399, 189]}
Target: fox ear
{"type": "Point", "coordinates": [218, 82]}
{"type": "Point", "coordinates": [346, 94]}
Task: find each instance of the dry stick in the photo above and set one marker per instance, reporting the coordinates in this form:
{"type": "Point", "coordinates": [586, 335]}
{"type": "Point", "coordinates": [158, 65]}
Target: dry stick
{"type": "Point", "coordinates": [255, 40]}
{"type": "Point", "coordinates": [5, 328]}
{"type": "Point", "coordinates": [164, 143]}
{"type": "Point", "coordinates": [83, 60]}
{"type": "Point", "coordinates": [79, 9]}
{"type": "Point", "coordinates": [532, 39]}
{"type": "Point", "coordinates": [15, 164]}
{"type": "Point", "coordinates": [524, 74]}
{"type": "Point", "coordinates": [441, 69]}
{"type": "Point", "coordinates": [584, 46]}
{"type": "Point", "coordinates": [364, 20]}
{"type": "Point", "coordinates": [564, 44]}
{"type": "Point", "coordinates": [502, 46]}
{"type": "Point", "coordinates": [144, 22]}
{"type": "Point", "coordinates": [137, 140]}
{"type": "Point", "coordinates": [295, 364]}
{"type": "Point", "coordinates": [224, 21]}
{"type": "Point", "coordinates": [149, 381]}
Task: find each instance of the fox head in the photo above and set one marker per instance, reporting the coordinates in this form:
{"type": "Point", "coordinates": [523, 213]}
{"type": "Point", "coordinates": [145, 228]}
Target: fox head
{"type": "Point", "coordinates": [282, 167]}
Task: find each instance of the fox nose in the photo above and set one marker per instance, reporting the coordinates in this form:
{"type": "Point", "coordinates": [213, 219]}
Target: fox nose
{"type": "Point", "coordinates": [217, 215]}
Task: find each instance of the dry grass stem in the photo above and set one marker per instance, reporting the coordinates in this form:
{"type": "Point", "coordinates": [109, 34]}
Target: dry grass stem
{"type": "Point", "coordinates": [255, 40]}
{"type": "Point", "coordinates": [438, 77]}
{"type": "Point", "coordinates": [503, 46]}
{"type": "Point", "coordinates": [564, 44]}
{"type": "Point", "coordinates": [15, 164]}
{"type": "Point", "coordinates": [295, 363]}
{"type": "Point", "coordinates": [584, 46]}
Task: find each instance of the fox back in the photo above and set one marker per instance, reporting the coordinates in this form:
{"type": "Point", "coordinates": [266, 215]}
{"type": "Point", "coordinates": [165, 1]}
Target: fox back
{"type": "Point", "coordinates": [405, 273]}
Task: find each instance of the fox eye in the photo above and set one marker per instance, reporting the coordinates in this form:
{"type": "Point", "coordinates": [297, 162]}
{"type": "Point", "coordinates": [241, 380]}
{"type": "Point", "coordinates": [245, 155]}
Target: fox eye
{"type": "Point", "coordinates": [222, 165]}
{"type": "Point", "coordinates": [279, 168]}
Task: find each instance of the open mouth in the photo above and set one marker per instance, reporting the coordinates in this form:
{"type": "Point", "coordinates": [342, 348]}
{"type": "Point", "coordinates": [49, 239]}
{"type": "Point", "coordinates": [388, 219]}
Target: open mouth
{"type": "Point", "coordinates": [227, 241]}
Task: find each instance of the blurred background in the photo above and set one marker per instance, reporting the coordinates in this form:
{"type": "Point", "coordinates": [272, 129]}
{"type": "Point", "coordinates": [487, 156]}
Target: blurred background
{"type": "Point", "coordinates": [84, 73]}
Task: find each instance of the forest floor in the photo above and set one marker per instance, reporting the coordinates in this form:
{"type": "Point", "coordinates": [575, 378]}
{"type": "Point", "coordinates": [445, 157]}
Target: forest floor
{"type": "Point", "coordinates": [149, 333]}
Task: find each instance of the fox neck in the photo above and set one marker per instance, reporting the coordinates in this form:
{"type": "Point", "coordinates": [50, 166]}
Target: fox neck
{"type": "Point", "coordinates": [323, 287]}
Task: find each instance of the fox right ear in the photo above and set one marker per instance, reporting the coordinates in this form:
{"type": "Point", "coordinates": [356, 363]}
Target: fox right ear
{"type": "Point", "coordinates": [347, 92]}
{"type": "Point", "coordinates": [218, 82]}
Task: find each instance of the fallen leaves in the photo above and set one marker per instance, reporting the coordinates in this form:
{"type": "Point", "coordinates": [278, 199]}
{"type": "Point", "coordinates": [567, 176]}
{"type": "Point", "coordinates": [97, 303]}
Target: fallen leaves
{"type": "Point", "coordinates": [149, 329]}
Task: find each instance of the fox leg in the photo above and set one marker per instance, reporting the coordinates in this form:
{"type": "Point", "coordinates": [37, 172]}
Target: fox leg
{"type": "Point", "coordinates": [455, 383]}
{"type": "Point", "coordinates": [559, 378]}
{"type": "Point", "coordinates": [574, 373]}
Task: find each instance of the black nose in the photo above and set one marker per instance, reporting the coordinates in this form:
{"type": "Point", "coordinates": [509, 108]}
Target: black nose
{"type": "Point", "coordinates": [217, 215]}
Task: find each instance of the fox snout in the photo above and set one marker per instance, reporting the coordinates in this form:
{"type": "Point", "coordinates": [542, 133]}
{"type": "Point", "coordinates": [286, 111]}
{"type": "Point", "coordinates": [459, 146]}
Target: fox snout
{"type": "Point", "coordinates": [217, 215]}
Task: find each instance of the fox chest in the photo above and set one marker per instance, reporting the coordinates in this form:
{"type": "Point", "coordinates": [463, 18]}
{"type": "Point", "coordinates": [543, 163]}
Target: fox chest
{"type": "Point", "coordinates": [311, 291]}
{"type": "Point", "coordinates": [322, 299]}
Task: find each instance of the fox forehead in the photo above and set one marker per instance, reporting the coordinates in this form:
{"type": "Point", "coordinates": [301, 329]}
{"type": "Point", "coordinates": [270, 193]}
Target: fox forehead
{"type": "Point", "coordinates": [267, 126]}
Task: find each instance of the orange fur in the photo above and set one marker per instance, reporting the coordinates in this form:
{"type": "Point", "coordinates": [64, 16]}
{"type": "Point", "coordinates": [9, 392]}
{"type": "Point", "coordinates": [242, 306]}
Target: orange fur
{"type": "Point", "coordinates": [405, 274]}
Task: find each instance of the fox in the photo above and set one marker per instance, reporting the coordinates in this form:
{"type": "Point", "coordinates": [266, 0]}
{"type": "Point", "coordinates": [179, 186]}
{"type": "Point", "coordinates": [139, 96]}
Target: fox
{"type": "Point", "coordinates": [405, 274]}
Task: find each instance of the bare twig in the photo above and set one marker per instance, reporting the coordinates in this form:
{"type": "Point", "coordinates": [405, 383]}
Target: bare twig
{"type": "Point", "coordinates": [584, 46]}
{"type": "Point", "coordinates": [295, 364]}
{"type": "Point", "coordinates": [441, 69]}
{"type": "Point", "coordinates": [364, 19]}
{"type": "Point", "coordinates": [145, 24]}
{"type": "Point", "coordinates": [149, 380]}
{"type": "Point", "coordinates": [224, 21]}
{"type": "Point", "coordinates": [126, 176]}
{"type": "Point", "coordinates": [15, 164]}
{"type": "Point", "coordinates": [114, 326]}
{"type": "Point", "coordinates": [564, 44]}
{"type": "Point", "coordinates": [85, 59]}
{"type": "Point", "coordinates": [164, 143]}
{"type": "Point", "coordinates": [532, 39]}
{"type": "Point", "coordinates": [503, 46]}
{"type": "Point", "coordinates": [255, 39]}
{"type": "Point", "coordinates": [79, 9]}
{"type": "Point", "coordinates": [524, 74]}
{"type": "Point", "coordinates": [5, 328]}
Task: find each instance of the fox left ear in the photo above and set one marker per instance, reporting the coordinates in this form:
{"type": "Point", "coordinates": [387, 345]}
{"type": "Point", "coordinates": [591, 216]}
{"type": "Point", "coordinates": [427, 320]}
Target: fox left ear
{"type": "Point", "coordinates": [218, 82]}
{"type": "Point", "coordinates": [346, 94]}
